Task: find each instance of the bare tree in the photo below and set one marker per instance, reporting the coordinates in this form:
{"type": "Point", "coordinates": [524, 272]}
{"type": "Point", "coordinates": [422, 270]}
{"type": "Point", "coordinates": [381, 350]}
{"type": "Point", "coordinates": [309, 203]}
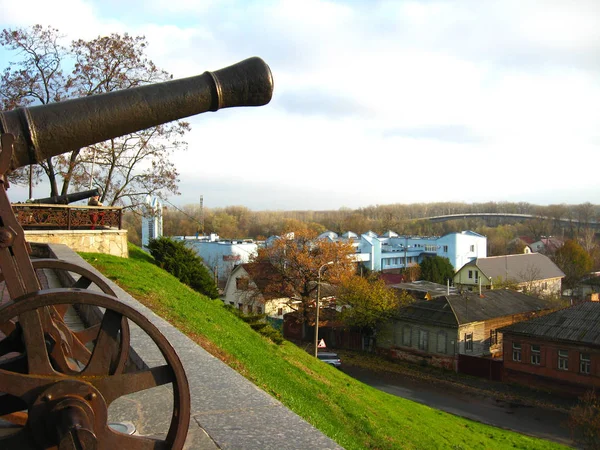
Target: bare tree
{"type": "Point", "coordinates": [126, 169]}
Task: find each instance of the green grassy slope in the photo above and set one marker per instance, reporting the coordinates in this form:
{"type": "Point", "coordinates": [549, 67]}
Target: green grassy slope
{"type": "Point", "coordinates": [353, 414]}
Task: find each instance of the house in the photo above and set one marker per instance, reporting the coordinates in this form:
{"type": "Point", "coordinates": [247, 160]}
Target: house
{"type": "Point", "coordinates": [546, 245]}
{"type": "Point", "coordinates": [424, 290]}
{"type": "Point", "coordinates": [437, 331]}
{"type": "Point", "coordinates": [559, 351]}
{"type": "Point", "coordinates": [246, 290]}
{"type": "Point", "coordinates": [220, 256]}
{"type": "Point", "coordinates": [391, 252]}
{"type": "Point", "coordinates": [531, 272]}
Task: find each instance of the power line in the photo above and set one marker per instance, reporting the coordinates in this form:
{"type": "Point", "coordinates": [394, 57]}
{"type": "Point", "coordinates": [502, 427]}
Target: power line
{"type": "Point", "coordinates": [186, 214]}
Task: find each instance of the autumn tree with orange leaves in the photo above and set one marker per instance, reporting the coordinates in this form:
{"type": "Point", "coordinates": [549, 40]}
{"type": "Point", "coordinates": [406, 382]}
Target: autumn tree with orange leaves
{"type": "Point", "coordinates": [296, 257]}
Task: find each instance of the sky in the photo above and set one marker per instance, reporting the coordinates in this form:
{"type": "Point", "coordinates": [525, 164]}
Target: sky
{"type": "Point", "coordinates": [375, 102]}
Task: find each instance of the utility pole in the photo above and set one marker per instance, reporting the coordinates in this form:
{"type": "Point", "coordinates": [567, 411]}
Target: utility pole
{"type": "Point", "coordinates": [201, 215]}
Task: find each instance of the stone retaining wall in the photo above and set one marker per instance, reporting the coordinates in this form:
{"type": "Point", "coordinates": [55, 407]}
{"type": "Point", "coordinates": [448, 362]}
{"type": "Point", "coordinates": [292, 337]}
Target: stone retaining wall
{"type": "Point", "coordinates": [111, 242]}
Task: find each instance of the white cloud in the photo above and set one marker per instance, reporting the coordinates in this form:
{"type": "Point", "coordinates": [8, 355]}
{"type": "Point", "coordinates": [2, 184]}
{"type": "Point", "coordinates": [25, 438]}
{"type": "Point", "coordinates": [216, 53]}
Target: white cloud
{"type": "Point", "coordinates": [389, 101]}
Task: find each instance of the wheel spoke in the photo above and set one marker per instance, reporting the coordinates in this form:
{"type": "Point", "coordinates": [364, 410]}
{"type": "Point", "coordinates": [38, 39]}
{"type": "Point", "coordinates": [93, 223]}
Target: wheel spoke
{"type": "Point", "coordinates": [24, 386]}
{"type": "Point", "coordinates": [87, 335]}
{"type": "Point", "coordinates": [38, 361]}
{"type": "Point", "coordinates": [61, 310]}
{"type": "Point", "coordinates": [107, 344]}
{"type": "Point", "coordinates": [7, 328]}
{"type": "Point", "coordinates": [80, 352]}
{"type": "Point", "coordinates": [115, 386]}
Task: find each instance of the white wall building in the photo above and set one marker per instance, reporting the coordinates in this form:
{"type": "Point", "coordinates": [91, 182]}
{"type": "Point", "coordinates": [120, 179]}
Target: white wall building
{"type": "Point", "coordinates": [392, 251]}
{"type": "Point", "coordinates": [152, 221]}
{"type": "Point", "coordinates": [220, 256]}
{"type": "Point", "coordinates": [244, 291]}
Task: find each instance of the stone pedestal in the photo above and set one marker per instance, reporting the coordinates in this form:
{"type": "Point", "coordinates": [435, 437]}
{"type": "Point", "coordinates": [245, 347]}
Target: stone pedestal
{"type": "Point", "coordinates": [111, 242]}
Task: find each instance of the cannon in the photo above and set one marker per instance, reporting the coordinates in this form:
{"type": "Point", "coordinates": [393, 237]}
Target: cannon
{"type": "Point", "coordinates": [69, 198]}
{"type": "Point", "coordinates": [56, 383]}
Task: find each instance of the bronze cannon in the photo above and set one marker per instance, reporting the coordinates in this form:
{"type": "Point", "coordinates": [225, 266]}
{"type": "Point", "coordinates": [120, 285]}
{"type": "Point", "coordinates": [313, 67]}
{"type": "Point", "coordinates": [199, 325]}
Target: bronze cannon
{"type": "Point", "coordinates": [68, 198]}
{"type": "Point", "coordinates": [56, 384]}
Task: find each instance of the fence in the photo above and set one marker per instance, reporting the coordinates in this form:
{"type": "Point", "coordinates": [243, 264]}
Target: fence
{"type": "Point", "coordinates": [480, 367]}
{"type": "Point", "coordinates": [66, 217]}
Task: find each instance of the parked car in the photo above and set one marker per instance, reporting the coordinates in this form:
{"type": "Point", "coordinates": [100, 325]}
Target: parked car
{"type": "Point", "coordinates": [330, 358]}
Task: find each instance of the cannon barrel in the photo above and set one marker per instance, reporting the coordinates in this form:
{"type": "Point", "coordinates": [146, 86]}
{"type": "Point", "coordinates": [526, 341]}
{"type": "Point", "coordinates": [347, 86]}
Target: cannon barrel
{"type": "Point", "coordinates": [48, 130]}
{"type": "Point", "coordinates": [69, 198]}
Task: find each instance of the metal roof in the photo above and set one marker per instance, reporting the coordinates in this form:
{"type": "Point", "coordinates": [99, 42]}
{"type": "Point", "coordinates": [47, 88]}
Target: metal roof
{"type": "Point", "coordinates": [579, 323]}
{"type": "Point", "coordinates": [434, 289]}
{"type": "Point", "coordinates": [519, 268]}
{"type": "Point", "coordinates": [468, 307]}
{"type": "Point", "coordinates": [432, 312]}
{"type": "Point", "coordinates": [471, 307]}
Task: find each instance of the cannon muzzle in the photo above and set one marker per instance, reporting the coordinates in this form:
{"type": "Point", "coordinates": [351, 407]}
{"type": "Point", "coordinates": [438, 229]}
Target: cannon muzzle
{"type": "Point", "coordinates": [69, 198]}
{"type": "Point", "coordinates": [48, 130]}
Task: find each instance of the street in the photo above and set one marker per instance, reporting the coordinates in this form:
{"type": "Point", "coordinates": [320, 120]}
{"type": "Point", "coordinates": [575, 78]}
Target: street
{"type": "Point", "coordinates": [533, 421]}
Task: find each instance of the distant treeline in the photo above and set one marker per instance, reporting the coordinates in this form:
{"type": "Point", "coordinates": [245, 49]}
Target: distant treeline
{"type": "Point", "coordinates": [241, 222]}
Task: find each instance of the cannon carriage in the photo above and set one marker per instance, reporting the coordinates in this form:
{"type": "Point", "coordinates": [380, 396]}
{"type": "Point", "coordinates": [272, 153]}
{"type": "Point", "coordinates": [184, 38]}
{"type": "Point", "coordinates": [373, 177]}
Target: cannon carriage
{"type": "Point", "coordinates": [57, 383]}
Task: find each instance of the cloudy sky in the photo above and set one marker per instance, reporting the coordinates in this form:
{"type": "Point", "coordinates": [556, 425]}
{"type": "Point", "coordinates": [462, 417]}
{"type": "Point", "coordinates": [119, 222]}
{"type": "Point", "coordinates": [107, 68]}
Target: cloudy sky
{"type": "Point", "coordinates": [375, 102]}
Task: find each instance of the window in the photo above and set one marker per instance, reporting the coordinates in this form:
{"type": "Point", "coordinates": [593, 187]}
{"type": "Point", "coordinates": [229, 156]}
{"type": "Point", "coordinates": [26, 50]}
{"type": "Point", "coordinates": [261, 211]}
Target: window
{"type": "Point", "coordinates": [423, 340]}
{"type": "Point", "coordinates": [280, 311]}
{"type": "Point", "coordinates": [472, 248]}
{"type": "Point", "coordinates": [563, 360]}
{"type": "Point", "coordinates": [468, 342]}
{"type": "Point", "coordinates": [258, 310]}
{"type": "Point", "coordinates": [493, 337]}
{"type": "Point", "coordinates": [441, 342]}
{"type": "Point", "coordinates": [470, 274]}
{"type": "Point", "coordinates": [241, 283]}
{"type": "Point", "coordinates": [535, 355]}
{"type": "Point", "coordinates": [584, 363]}
{"type": "Point", "coordinates": [406, 336]}
{"type": "Point", "coordinates": [240, 306]}
{"type": "Point", "coordinates": [445, 249]}
{"type": "Point", "coordinates": [476, 275]}
{"type": "Point", "coordinates": [516, 351]}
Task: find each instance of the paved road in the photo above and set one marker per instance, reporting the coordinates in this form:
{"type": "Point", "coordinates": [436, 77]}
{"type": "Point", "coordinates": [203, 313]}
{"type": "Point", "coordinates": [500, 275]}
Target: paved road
{"type": "Point", "coordinates": [533, 421]}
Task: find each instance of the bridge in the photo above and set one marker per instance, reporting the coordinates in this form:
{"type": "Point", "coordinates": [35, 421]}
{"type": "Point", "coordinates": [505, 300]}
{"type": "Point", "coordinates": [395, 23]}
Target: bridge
{"type": "Point", "coordinates": [520, 217]}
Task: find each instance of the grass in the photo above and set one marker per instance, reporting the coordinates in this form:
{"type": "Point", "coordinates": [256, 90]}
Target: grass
{"type": "Point", "coordinates": [356, 416]}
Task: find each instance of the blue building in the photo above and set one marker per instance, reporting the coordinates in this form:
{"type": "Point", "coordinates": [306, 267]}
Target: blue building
{"type": "Point", "coordinates": [391, 251]}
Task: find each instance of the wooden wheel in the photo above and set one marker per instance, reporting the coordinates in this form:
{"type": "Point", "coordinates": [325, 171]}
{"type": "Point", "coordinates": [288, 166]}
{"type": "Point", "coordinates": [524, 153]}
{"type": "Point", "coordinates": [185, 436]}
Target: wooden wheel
{"type": "Point", "coordinates": [73, 354]}
{"type": "Point", "coordinates": [73, 407]}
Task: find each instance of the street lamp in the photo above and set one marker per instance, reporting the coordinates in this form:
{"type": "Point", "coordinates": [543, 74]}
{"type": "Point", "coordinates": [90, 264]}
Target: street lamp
{"type": "Point", "coordinates": [317, 305]}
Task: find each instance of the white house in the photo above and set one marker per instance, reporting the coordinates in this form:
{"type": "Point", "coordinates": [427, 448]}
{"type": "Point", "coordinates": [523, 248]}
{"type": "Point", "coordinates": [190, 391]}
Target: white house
{"type": "Point", "coordinates": [221, 256]}
{"type": "Point", "coordinates": [392, 251]}
{"type": "Point", "coordinates": [245, 290]}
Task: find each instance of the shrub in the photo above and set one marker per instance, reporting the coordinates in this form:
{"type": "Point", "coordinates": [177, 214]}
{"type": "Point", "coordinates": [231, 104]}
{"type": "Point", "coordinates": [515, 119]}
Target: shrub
{"type": "Point", "coordinates": [258, 323]}
{"type": "Point", "coordinates": [183, 263]}
{"type": "Point", "coordinates": [584, 420]}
